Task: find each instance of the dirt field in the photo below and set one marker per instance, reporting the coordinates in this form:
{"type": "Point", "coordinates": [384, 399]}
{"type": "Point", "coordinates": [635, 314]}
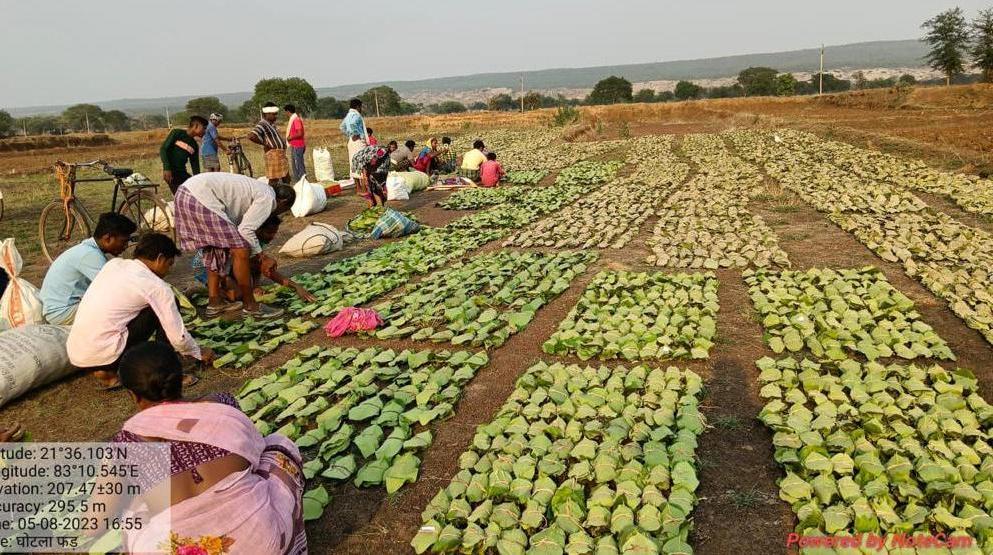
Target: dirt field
{"type": "Point", "coordinates": [739, 510]}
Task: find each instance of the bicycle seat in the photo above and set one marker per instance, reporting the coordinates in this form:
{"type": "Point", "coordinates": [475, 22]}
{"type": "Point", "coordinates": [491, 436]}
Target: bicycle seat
{"type": "Point", "coordinates": [121, 172]}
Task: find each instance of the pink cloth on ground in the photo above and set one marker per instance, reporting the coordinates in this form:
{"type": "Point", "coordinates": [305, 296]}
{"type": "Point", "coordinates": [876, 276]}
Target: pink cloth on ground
{"type": "Point", "coordinates": [352, 319]}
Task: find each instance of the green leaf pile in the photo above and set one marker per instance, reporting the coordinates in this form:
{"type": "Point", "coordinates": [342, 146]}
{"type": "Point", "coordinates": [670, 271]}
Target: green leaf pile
{"type": "Point", "coordinates": [588, 173]}
{"type": "Point", "coordinates": [481, 302]}
{"type": "Point", "coordinates": [365, 221]}
{"type": "Point", "coordinates": [359, 279]}
{"type": "Point", "coordinates": [360, 415]}
{"type": "Point", "coordinates": [880, 449]}
{"type": "Point", "coordinates": [479, 197]}
{"type": "Point", "coordinates": [239, 343]}
{"type": "Point", "coordinates": [578, 460]}
{"type": "Point", "coordinates": [525, 177]}
{"type": "Point", "coordinates": [640, 316]}
{"type": "Point", "coordinates": [834, 313]}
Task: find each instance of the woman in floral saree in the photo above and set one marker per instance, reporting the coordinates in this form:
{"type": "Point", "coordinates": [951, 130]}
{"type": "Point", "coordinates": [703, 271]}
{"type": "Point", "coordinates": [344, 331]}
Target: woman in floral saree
{"type": "Point", "coordinates": [232, 490]}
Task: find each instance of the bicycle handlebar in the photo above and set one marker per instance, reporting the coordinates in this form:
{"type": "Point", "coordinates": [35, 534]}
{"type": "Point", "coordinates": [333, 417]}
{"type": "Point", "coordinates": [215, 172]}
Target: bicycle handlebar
{"type": "Point", "coordinates": [105, 166]}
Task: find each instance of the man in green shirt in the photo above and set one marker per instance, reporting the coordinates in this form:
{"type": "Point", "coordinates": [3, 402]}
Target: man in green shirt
{"type": "Point", "coordinates": [180, 147]}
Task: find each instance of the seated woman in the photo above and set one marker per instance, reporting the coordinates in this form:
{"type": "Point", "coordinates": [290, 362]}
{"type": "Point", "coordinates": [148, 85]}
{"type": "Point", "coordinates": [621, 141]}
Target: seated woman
{"type": "Point", "coordinates": [428, 160]}
{"type": "Point", "coordinates": [229, 485]}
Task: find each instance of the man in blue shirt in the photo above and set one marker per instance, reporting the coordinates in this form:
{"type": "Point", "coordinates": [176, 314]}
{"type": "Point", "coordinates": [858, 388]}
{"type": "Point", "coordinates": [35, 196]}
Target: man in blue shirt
{"type": "Point", "coordinates": [73, 271]}
{"type": "Point", "coordinates": [211, 144]}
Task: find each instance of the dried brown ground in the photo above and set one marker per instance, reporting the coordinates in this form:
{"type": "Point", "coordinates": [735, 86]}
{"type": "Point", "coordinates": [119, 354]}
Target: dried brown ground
{"type": "Point", "coordinates": [739, 510]}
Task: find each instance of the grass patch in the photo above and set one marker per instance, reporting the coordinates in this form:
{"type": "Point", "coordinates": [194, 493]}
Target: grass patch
{"type": "Point", "coordinates": [797, 236]}
{"type": "Point", "coordinates": [785, 208]}
{"type": "Point", "coordinates": [728, 422]}
{"type": "Point", "coordinates": [745, 499]}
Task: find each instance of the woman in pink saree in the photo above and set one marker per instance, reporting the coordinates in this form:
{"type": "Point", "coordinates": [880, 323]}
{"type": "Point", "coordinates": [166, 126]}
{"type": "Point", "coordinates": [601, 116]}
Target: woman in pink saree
{"type": "Point", "coordinates": [232, 490]}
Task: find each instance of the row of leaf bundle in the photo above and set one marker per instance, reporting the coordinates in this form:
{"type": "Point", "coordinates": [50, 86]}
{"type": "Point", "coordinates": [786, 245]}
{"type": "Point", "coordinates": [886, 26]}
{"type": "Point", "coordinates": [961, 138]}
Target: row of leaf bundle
{"type": "Point", "coordinates": [835, 314]}
{"type": "Point", "coordinates": [873, 449]}
{"type": "Point", "coordinates": [359, 279]}
{"type": "Point", "coordinates": [968, 191]}
{"type": "Point", "coordinates": [611, 215]}
{"type": "Point", "coordinates": [949, 258]}
{"type": "Point", "coordinates": [479, 197]}
{"type": "Point", "coordinates": [484, 301]}
{"type": "Point", "coordinates": [361, 414]}
{"type": "Point", "coordinates": [578, 460]}
{"type": "Point", "coordinates": [640, 316]}
{"type": "Point", "coordinates": [826, 187]}
{"type": "Point", "coordinates": [707, 223]}
{"type": "Point", "coordinates": [239, 343]}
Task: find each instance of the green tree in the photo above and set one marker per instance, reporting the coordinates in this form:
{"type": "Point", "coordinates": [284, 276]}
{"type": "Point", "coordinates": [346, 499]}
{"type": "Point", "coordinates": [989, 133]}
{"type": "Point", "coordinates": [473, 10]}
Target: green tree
{"type": "Point", "coordinates": [150, 121]}
{"type": "Point", "coordinates": [116, 120]}
{"type": "Point", "coordinates": [982, 43]}
{"type": "Point", "coordinates": [611, 90]}
{"type": "Point", "coordinates": [758, 81]}
{"type": "Point", "coordinates": [389, 101]}
{"type": "Point", "coordinates": [727, 91]}
{"type": "Point", "coordinates": [665, 96]}
{"type": "Point", "coordinates": [501, 103]}
{"type": "Point", "coordinates": [532, 100]}
{"type": "Point", "coordinates": [947, 34]}
{"type": "Point", "coordinates": [329, 107]}
{"type": "Point", "coordinates": [644, 95]}
{"type": "Point", "coordinates": [685, 90]}
{"type": "Point", "coordinates": [77, 116]}
{"type": "Point", "coordinates": [448, 107]}
{"type": "Point", "coordinates": [477, 105]}
{"type": "Point", "coordinates": [785, 85]}
{"type": "Point", "coordinates": [907, 80]}
{"type": "Point", "coordinates": [6, 124]}
{"type": "Point", "coordinates": [291, 90]}
{"type": "Point", "coordinates": [206, 105]}
{"type": "Point", "coordinates": [858, 80]}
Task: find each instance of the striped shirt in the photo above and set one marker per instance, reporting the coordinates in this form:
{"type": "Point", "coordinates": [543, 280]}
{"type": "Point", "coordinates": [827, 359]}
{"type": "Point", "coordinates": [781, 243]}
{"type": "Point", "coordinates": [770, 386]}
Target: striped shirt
{"type": "Point", "coordinates": [269, 135]}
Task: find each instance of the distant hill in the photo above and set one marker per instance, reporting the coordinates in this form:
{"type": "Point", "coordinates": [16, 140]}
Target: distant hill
{"type": "Point", "coordinates": [863, 55]}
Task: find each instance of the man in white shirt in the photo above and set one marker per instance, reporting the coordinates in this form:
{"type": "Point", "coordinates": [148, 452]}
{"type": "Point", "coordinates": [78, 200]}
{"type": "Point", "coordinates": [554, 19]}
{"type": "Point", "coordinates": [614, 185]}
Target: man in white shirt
{"type": "Point", "coordinates": [220, 214]}
{"type": "Point", "coordinates": [127, 302]}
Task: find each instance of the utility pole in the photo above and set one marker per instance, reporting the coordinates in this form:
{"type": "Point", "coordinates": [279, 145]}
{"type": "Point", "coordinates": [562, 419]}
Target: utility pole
{"type": "Point", "coordinates": [522, 93]}
{"type": "Point", "coordinates": [168, 122]}
{"type": "Point", "coordinates": [24, 126]}
{"type": "Point", "coordinates": [87, 114]}
{"type": "Point", "coordinates": [375, 95]}
{"type": "Point", "coordinates": [821, 74]}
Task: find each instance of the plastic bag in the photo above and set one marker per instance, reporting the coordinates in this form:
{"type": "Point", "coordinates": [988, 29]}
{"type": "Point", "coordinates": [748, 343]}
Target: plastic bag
{"type": "Point", "coordinates": [161, 221]}
{"type": "Point", "coordinates": [311, 198]}
{"type": "Point", "coordinates": [323, 168]}
{"type": "Point", "coordinates": [396, 187]}
{"type": "Point", "coordinates": [352, 319]}
{"type": "Point", "coordinates": [416, 181]}
{"type": "Point", "coordinates": [31, 356]}
{"type": "Point", "coordinates": [20, 304]}
{"type": "Point", "coordinates": [315, 239]}
{"type": "Point", "coordinates": [394, 224]}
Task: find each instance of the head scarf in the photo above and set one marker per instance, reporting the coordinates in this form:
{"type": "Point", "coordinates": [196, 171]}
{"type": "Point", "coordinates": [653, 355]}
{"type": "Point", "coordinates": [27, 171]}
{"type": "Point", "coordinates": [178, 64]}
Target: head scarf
{"type": "Point", "coordinates": [270, 110]}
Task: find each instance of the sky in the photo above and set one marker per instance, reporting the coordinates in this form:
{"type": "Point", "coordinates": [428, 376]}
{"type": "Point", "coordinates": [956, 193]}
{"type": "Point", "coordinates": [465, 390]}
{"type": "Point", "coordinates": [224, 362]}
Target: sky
{"type": "Point", "coordinates": [66, 51]}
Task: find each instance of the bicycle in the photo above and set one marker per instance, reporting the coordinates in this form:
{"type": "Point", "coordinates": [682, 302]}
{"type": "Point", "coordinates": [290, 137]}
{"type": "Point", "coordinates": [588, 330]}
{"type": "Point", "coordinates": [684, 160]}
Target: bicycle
{"type": "Point", "coordinates": [237, 161]}
{"type": "Point", "coordinates": [65, 221]}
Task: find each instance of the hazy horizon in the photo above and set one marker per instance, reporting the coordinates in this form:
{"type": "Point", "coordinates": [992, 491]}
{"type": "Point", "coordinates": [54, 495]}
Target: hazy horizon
{"type": "Point", "coordinates": [71, 52]}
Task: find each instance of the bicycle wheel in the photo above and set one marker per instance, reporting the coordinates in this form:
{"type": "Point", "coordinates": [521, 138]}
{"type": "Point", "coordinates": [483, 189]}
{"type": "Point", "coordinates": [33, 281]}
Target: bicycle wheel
{"type": "Point", "coordinates": [244, 165]}
{"type": "Point", "coordinates": [149, 213]}
{"type": "Point", "coordinates": [59, 230]}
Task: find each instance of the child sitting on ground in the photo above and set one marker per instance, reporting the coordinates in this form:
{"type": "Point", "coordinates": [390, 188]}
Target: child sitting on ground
{"type": "Point", "coordinates": [491, 172]}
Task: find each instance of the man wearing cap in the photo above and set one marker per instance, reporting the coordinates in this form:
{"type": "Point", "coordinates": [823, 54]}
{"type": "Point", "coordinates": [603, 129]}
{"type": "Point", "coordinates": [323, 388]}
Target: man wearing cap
{"type": "Point", "coordinates": [211, 144]}
{"type": "Point", "coordinates": [277, 168]}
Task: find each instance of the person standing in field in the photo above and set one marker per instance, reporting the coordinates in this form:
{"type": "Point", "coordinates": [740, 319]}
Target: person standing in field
{"type": "Point", "coordinates": [277, 169]}
{"type": "Point", "coordinates": [212, 144]}
{"type": "Point", "coordinates": [491, 172]}
{"type": "Point", "coordinates": [220, 215]}
{"type": "Point", "coordinates": [179, 148]}
{"type": "Point", "coordinates": [354, 129]}
{"type": "Point", "coordinates": [472, 160]}
{"type": "Point", "coordinates": [295, 138]}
